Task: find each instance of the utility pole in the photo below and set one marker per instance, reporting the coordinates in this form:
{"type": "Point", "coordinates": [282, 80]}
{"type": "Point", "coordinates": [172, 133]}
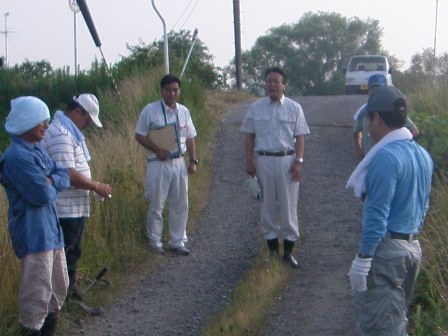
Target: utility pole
{"type": "Point", "coordinates": [435, 41]}
{"type": "Point", "coordinates": [6, 32]}
{"type": "Point", "coordinates": [237, 28]}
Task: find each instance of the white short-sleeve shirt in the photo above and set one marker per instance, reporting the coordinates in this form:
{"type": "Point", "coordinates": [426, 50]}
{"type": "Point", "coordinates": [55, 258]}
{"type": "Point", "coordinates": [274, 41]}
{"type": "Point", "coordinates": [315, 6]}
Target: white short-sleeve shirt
{"type": "Point", "coordinates": [275, 124]}
{"type": "Point", "coordinates": [152, 117]}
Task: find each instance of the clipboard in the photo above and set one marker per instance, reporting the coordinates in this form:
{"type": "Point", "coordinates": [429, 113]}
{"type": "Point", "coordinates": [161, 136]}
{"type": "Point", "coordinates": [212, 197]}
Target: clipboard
{"type": "Point", "coordinates": [166, 137]}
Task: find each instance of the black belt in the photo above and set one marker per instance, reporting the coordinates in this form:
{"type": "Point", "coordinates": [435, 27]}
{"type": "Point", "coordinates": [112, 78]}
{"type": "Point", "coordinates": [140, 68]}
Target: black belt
{"type": "Point", "coordinates": [282, 153]}
{"type": "Point", "coordinates": [176, 157]}
{"type": "Point", "coordinates": [403, 236]}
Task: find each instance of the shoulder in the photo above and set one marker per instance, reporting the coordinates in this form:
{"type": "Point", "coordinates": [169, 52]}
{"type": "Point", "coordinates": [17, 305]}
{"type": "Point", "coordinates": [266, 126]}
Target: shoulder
{"type": "Point", "coordinates": [260, 102]}
{"type": "Point", "coordinates": [57, 133]}
{"type": "Point", "coordinates": [154, 106]}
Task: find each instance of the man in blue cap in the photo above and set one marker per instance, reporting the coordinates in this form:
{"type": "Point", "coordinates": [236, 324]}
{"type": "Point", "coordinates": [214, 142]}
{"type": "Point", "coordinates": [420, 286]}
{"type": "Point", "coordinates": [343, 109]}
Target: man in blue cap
{"type": "Point", "coordinates": [361, 138]}
{"type": "Point", "coordinates": [394, 179]}
{"type": "Point", "coordinates": [32, 181]}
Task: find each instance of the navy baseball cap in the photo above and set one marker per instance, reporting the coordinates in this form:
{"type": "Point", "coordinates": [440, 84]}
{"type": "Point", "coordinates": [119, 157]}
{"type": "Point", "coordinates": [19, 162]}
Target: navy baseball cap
{"type": "Point", "coordinates": [386, 99]}
{"type": "Point", "coordinates": [377, 80]}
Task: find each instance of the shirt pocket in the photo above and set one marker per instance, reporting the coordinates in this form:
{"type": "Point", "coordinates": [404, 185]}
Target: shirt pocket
{"type": "Point", "coordinates": [262, 124]}
{"type": "Point", "coordinates": [183, 130]}
{"type": "Point", "coordinates": [286, 127]}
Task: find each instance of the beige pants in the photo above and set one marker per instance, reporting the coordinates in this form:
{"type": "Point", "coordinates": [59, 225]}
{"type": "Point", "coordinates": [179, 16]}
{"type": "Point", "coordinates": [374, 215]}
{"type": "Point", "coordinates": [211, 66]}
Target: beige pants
{"type": "Point", "coordinates": [43, 286]}
{"type": "Point", "coordinates": [280, 195]}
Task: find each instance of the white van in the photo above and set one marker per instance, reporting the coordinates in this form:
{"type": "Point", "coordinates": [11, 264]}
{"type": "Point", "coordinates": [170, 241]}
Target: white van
{"type": "Point", "coordinates": [360, 68]}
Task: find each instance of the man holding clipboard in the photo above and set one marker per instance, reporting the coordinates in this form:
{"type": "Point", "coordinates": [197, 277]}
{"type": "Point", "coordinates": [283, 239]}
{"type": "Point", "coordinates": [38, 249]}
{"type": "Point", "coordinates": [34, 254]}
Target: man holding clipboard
{"type": "Point", "coordinates": [166, 130]}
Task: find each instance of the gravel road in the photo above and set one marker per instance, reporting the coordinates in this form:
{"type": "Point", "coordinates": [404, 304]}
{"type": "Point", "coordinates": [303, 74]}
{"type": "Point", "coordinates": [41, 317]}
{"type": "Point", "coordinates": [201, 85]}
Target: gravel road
{"type": "Point", "coordinates": [183, 293]}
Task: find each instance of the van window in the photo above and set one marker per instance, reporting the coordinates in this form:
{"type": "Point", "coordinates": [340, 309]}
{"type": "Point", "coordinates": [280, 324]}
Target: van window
{"type": "Point", "coordinates": [371, 63]}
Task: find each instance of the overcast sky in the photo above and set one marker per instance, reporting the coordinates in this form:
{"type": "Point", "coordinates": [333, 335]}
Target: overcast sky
{"type": "Point", "coordinates": [45, 29]}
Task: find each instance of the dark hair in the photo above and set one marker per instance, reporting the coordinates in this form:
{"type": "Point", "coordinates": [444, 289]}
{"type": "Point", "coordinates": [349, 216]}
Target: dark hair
{"type": "Point", "coordinates": [73, 105]}
{"type": "Point", "coordinates": [396, 118]}
{"type": "Point", "coordinates": [276, 70]}
{"type": "Point", "coordinates": [169, 79]}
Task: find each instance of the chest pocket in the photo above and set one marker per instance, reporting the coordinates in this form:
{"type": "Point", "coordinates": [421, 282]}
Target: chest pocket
{"type": "Point", "coordinates": [262, 124]}
{"type": "Point", "coordinates": [286, 126]}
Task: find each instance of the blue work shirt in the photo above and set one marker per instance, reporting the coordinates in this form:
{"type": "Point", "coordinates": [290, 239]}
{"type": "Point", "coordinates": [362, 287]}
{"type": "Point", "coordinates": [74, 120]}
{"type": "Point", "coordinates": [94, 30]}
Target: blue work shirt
{"type": "Point", "coordinates": [398, 185]}
{"type": "Point", "coordinates": [32, 219]}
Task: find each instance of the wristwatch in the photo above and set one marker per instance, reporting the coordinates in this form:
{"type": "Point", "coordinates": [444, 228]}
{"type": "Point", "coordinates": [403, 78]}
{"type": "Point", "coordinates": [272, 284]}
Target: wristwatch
{"type": "Point", "coordinates": [195, 161]}
{"type": "Point", "coordinates": [298, 160]}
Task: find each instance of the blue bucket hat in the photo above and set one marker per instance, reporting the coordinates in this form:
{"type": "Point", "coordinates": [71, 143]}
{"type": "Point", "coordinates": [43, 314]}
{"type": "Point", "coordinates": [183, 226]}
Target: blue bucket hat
{"type": "Point", "coordinates": [26, 113]}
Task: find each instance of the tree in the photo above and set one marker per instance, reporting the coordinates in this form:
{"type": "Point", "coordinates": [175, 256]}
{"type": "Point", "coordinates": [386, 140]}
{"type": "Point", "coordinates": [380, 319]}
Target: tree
{"type": "Point", "coordinates": [425, 69]}
{"type": "Point", "coordinates": [200, 64]}
{"type": "Point", "coordinates": [313, 52]}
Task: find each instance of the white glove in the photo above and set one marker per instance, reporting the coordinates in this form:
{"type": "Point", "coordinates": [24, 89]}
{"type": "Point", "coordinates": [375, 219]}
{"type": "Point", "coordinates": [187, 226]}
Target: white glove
{"type": "Point", "coordinates": [358, 273]}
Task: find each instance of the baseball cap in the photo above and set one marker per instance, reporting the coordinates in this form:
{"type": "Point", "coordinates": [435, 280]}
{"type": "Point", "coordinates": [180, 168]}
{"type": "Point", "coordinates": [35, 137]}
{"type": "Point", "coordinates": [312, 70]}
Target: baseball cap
{"type": "Point", "coordinates": [377, 80]}
{"type": "Point", "coordinates": [386, 99]}
{"type": "Point", "coordinates": [90, 103]}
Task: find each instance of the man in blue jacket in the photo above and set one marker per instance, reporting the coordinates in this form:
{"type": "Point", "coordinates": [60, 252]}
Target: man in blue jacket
{"type": "Point", "coordinates": [395, 180]}
{"type": "Point", "coordinates": [32, 181]}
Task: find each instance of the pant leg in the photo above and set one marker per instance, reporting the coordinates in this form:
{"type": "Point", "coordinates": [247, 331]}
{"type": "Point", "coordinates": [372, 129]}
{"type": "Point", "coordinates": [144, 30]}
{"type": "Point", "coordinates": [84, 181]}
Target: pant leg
{"type": "Point", "coordinates": [381, 310]}
{"type": "Point", "coordinates": [73, 229]}
{"type": "Point", "coordinates": [36, 286]}
{"type": "Point", "coordinates": [178, 203]}
{"type": "Point", "coordinates": [288, 195]}
{"type": "Point", "coordinates": [157, 181]}
{"type": "Point", "coordinates": [269, 217]}
{"type": "Point", "coordinates": [59, 281]}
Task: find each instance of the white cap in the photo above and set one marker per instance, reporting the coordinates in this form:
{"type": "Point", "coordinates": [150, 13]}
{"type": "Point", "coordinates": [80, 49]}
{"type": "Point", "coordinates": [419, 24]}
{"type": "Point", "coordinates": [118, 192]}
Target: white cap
{"type": "Point", "coordinates": [90, 103]}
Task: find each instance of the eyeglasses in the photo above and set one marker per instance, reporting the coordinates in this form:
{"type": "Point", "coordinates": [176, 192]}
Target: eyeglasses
{"type": "Point", "coordinates": [274, 81]}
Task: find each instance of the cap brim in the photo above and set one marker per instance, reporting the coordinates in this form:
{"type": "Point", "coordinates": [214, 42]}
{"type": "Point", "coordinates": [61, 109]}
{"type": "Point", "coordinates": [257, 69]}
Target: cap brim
{"type": "Point", "coordinates": [96, 121]}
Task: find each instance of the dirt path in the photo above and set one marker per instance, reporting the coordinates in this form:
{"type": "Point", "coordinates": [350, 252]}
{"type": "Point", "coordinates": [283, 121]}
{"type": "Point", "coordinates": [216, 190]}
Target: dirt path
{"type": "Point", "coordinates": [185, 292]}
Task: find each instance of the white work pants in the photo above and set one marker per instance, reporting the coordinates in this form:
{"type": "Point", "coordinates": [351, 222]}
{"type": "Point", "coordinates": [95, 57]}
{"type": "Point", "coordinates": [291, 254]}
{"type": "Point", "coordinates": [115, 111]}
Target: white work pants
{"type": "Point", "coordinates": [167, 181]}
{"type": "Point", "coordinates": [43, 286]}
{"type": "Point", "coordinates": [280, 195]}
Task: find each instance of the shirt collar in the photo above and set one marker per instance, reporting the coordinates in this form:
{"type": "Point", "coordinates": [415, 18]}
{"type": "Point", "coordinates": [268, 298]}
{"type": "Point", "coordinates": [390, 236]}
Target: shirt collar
{"type": "Point", "coordinates": [281, 101]}
{"type": "Point", "coordinates": [19, 140]}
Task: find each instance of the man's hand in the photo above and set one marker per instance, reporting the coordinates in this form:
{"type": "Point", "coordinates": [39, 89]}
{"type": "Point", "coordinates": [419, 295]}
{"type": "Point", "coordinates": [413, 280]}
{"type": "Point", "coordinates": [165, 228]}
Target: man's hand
{"type": "Point", "coordinates": [358, 273]}
{"type": "Point", "coordinates": [250, 168]}
{"type": "Point", "coordinates": [296, 171]}
{"type": "Point", "coordinates": [162, 154]}
{"type": "Point", "coordinates": [192, 168]}
{"type": "Point", "coordinates": [102, 189]}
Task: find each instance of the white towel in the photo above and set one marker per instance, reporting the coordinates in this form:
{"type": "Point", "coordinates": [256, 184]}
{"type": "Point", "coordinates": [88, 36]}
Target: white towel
{"type": "Point", "coordinates": [357, 179]}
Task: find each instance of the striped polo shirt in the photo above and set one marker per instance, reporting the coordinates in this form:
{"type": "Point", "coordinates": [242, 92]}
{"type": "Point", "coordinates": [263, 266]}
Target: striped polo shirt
{"type": "Point", "coordinates": [64, 149]}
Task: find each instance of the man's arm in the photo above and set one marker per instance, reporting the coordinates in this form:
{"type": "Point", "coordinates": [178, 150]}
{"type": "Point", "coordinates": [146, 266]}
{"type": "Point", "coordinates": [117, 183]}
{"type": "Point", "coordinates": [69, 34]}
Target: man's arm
{"type": "Point", "coordinates": [359, 154]}
{"type": "Point", "coordinates": [191, 149]}
{"type": "Point", "coordinates": [162, 154]}
{"type": "Point", "coordinates": [80, 181]}
{"type": "Point", "coordinates": [249, 145]}
{"type": "Point", "coordinates": [296, 168]}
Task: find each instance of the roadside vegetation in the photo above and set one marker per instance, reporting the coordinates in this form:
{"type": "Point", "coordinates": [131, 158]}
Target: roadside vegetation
{"type": "Point", "coordinates": [115, 234]}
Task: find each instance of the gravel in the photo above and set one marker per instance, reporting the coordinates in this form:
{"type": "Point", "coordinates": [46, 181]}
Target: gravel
{"type": "Point", "coordinates": [181, 294]}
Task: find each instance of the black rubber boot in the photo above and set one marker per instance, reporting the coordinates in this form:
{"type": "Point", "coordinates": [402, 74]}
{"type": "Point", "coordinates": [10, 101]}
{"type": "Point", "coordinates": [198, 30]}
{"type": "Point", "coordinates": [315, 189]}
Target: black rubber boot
{"type": "Point", "coordinates": [49, 327]}
{"type": "Point", "coordinates": [288, 245]}
{"type": "Point", "coordinates": [273, 247]}
{"type": "Point", "coordinates": [29, 332]}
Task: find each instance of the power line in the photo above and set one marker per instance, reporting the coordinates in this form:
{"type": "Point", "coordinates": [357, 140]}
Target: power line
{"type": "Point", "coordinates": [180, 17]}
{"type": "Point", "coordinates": [197, 1]}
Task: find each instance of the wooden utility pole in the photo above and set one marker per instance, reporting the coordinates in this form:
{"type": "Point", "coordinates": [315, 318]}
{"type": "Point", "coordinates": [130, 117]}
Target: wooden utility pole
{"type": "Point", "coordinates": [237, 28]}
